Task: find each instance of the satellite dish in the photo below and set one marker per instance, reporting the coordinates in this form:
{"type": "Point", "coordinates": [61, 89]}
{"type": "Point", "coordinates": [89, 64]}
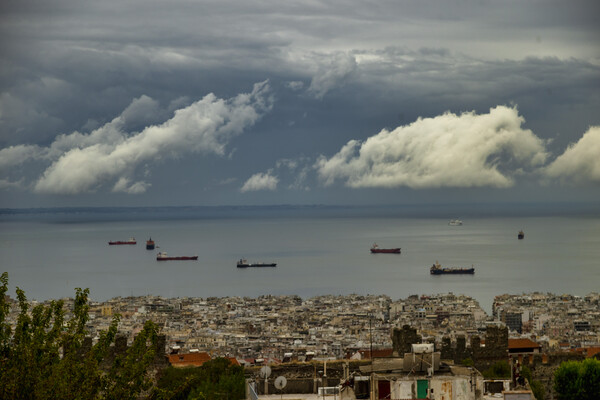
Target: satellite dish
{"type": "Point", "coordinates": [280, 382]}
{"type": "Point", "coordinates": [265, 372]}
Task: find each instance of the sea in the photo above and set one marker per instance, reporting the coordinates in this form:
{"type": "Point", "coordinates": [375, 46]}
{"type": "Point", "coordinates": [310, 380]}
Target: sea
{"type": "Point", "coordinates": [319, 250]}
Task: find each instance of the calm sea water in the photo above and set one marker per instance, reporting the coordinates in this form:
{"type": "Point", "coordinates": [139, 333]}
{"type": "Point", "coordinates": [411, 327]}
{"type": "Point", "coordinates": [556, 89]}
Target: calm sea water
{"type": "Point", "coordinates": [49, 255]}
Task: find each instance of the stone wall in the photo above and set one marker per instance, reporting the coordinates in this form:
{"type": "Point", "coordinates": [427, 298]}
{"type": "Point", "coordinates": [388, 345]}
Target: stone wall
{"type": "Point", "coordinates": [495, 349]}
{"type": "Point", "coordinates": [402, 339]}
{"type": "Point", "coordinates": [461, 352]}
{"type": "Point", "coordinates": [447, 352]}
{"type": "Point", "coordinates": [543, 366]}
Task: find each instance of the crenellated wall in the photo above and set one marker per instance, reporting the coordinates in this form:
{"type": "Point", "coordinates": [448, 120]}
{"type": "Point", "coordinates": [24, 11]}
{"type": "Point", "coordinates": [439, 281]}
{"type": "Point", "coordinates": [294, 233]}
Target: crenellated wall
{"type": "Point", "coordinates": [402, 339]}
{"type": "Point", "coordinates": [495, 349]}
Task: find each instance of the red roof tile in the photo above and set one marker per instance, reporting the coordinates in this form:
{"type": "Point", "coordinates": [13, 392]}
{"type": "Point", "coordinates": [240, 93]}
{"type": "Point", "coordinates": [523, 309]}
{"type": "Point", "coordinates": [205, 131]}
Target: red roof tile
{"type": "Point", "coordinates": [189, 359]}
{"type": "Point", "coordinates": [522, 344]}
{"type": "Point", "coordinates": [592, 351]}
{"type": "Point", "coordinates": [587, 351]}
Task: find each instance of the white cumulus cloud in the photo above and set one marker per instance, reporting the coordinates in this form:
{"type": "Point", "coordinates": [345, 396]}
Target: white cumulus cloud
{"type": "Point", "coordinates": [260, 181]}
{"type": "Point", "coordinates": [449, 150]}
{"type": "Point", "coordinates": [580, 163]}
{"type": "Point", "coordinates": [86, 162]}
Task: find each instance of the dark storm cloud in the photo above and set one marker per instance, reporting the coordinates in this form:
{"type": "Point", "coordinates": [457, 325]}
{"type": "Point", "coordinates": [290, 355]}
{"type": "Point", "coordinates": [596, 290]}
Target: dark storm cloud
{"type": "Point", "coordinates": [338, 70]}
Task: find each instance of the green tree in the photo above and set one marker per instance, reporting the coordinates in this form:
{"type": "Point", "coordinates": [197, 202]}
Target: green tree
{"type": "Point", "coordinates": [215, 379]}
{"type": "Point", "coordinates": [501, 369]}
{"type": "Point", "coordinates": [468, 362]}
{"type": "Point", "coordinates": [578, 380]}
{"type": "Point", "coordinates": [44, 357]}
{"type": "Point", "coordinates": [538, 390]}
{"type": "Point", "coordinates": [589, 379]}
{"type": "Point", "coordinates": [526, 372]}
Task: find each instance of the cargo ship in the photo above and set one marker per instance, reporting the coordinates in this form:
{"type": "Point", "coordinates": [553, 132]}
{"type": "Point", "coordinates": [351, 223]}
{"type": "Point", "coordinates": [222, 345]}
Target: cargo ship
{"type": "Point", "coordinates": [376, 249]}
{"type": "Point", "coordinates": [243, 263]}
{"type": "Point", "coordinates": [521, 235]}
{"type": "Point", "coordinates": [437, 269]}
{"type": "Point", "coordinates": [128, 241]}
{"type": "Point", "coordinates": [150, 244]}
{"type": "Point", "coordinates": [162, 256]}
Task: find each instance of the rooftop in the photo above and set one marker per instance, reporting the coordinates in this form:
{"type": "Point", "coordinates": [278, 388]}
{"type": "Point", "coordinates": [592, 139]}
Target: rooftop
{"type": "Point", "coordinates": [522, 344]}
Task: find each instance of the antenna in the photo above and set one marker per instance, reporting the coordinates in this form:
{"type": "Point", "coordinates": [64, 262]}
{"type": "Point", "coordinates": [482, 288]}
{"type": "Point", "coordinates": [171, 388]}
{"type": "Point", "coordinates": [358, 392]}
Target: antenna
{"type": "Point", "coordinates": [265, 372]}
{"type": "Point", "coordinates": [280, 382]}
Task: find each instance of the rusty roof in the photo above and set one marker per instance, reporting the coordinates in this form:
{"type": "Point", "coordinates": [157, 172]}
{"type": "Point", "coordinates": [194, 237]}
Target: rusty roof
{"type": "Point", "coordinates": [189, 359]}
{"type": "Point", "coordinates": [522, 344]}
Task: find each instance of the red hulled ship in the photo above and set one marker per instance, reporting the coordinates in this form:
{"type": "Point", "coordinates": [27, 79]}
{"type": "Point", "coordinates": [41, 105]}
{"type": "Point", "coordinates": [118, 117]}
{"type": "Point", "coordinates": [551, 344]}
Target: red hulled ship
{"type": "Point", "coordinates": [128, 241]}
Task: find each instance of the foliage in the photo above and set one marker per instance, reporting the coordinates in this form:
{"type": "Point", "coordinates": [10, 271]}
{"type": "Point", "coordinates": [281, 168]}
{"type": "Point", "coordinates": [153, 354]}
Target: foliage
{"type": "Point", "coordinates": [536, 386]}
{"type": "Point", "coordinates": [501, 369]}
{"type": "Point", "coordinates": [526, 372]}
{"type": "Point", "coordinates": [215, 379]}
{"type": "Point", "coordinates": [467, 362]}
{"type": "Point", "coordinates": [578, 380]}
{"type": "Point", "coordinates": [590, 379]}
{"type": "Point", "coordinates": [538, 390]}
{"type": "Point", "coordinates": [45, 357]}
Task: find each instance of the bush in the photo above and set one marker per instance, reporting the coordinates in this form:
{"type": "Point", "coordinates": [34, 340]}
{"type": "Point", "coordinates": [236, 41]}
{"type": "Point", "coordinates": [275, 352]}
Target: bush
{"type": "Point", "coordinates": [467, 362]}
{"type": "Point", "coordinates": [215, 379]}
{"type": "Point", "coordinates": [501, 369]}
{"type": "Point", "coordinates": [538, 390]}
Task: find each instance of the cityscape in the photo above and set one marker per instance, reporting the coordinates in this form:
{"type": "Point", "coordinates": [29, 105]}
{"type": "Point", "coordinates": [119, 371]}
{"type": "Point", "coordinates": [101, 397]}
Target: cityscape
{"type": "Point", "coordinates": [341, 200]}
{"type": "Point", "coordinates": [286, 332]}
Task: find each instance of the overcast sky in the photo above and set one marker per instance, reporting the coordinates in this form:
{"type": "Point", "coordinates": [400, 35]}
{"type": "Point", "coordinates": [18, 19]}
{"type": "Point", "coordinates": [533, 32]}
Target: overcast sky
{"type": "Point", "coordinates": [141, 102]}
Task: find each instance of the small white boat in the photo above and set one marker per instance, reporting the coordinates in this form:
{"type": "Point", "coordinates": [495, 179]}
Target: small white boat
{"type": "Point", "coordinates": [455, 222]}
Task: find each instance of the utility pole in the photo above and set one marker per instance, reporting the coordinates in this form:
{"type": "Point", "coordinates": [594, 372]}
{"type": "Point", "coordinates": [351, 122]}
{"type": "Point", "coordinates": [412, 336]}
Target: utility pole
{"type": "Point", "coordinates": [324, 377]}
{"type": "Point", "coordinates": [371, 339]}
{"type": "Point", "coordinates": [372, 384]}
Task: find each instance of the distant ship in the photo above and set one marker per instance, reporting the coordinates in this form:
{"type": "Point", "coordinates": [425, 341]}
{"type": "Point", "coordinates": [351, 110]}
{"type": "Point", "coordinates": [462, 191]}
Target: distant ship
{"type": "Point", "coordinates": [376, 249]}
{"type": "Point", "coordinates": [150, 244]}
{"type": "Point", "coordinates": [437, 269]}
{"type": "Point", "coordinates": [521, 235]}
{"type": "Point", "coordinates": [455, 222]}
{"type": "Point", "coordinates": [128, 241]}
{"type": "Point", "coordinates": [162, 256]}
{"type": "Point", "coordinates": [243, 263]}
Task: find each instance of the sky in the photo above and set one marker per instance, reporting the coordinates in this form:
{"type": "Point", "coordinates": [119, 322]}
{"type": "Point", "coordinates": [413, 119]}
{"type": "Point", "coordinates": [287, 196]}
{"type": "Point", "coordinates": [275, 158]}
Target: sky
{"type": "Point", "coordinates": [257, 102]}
